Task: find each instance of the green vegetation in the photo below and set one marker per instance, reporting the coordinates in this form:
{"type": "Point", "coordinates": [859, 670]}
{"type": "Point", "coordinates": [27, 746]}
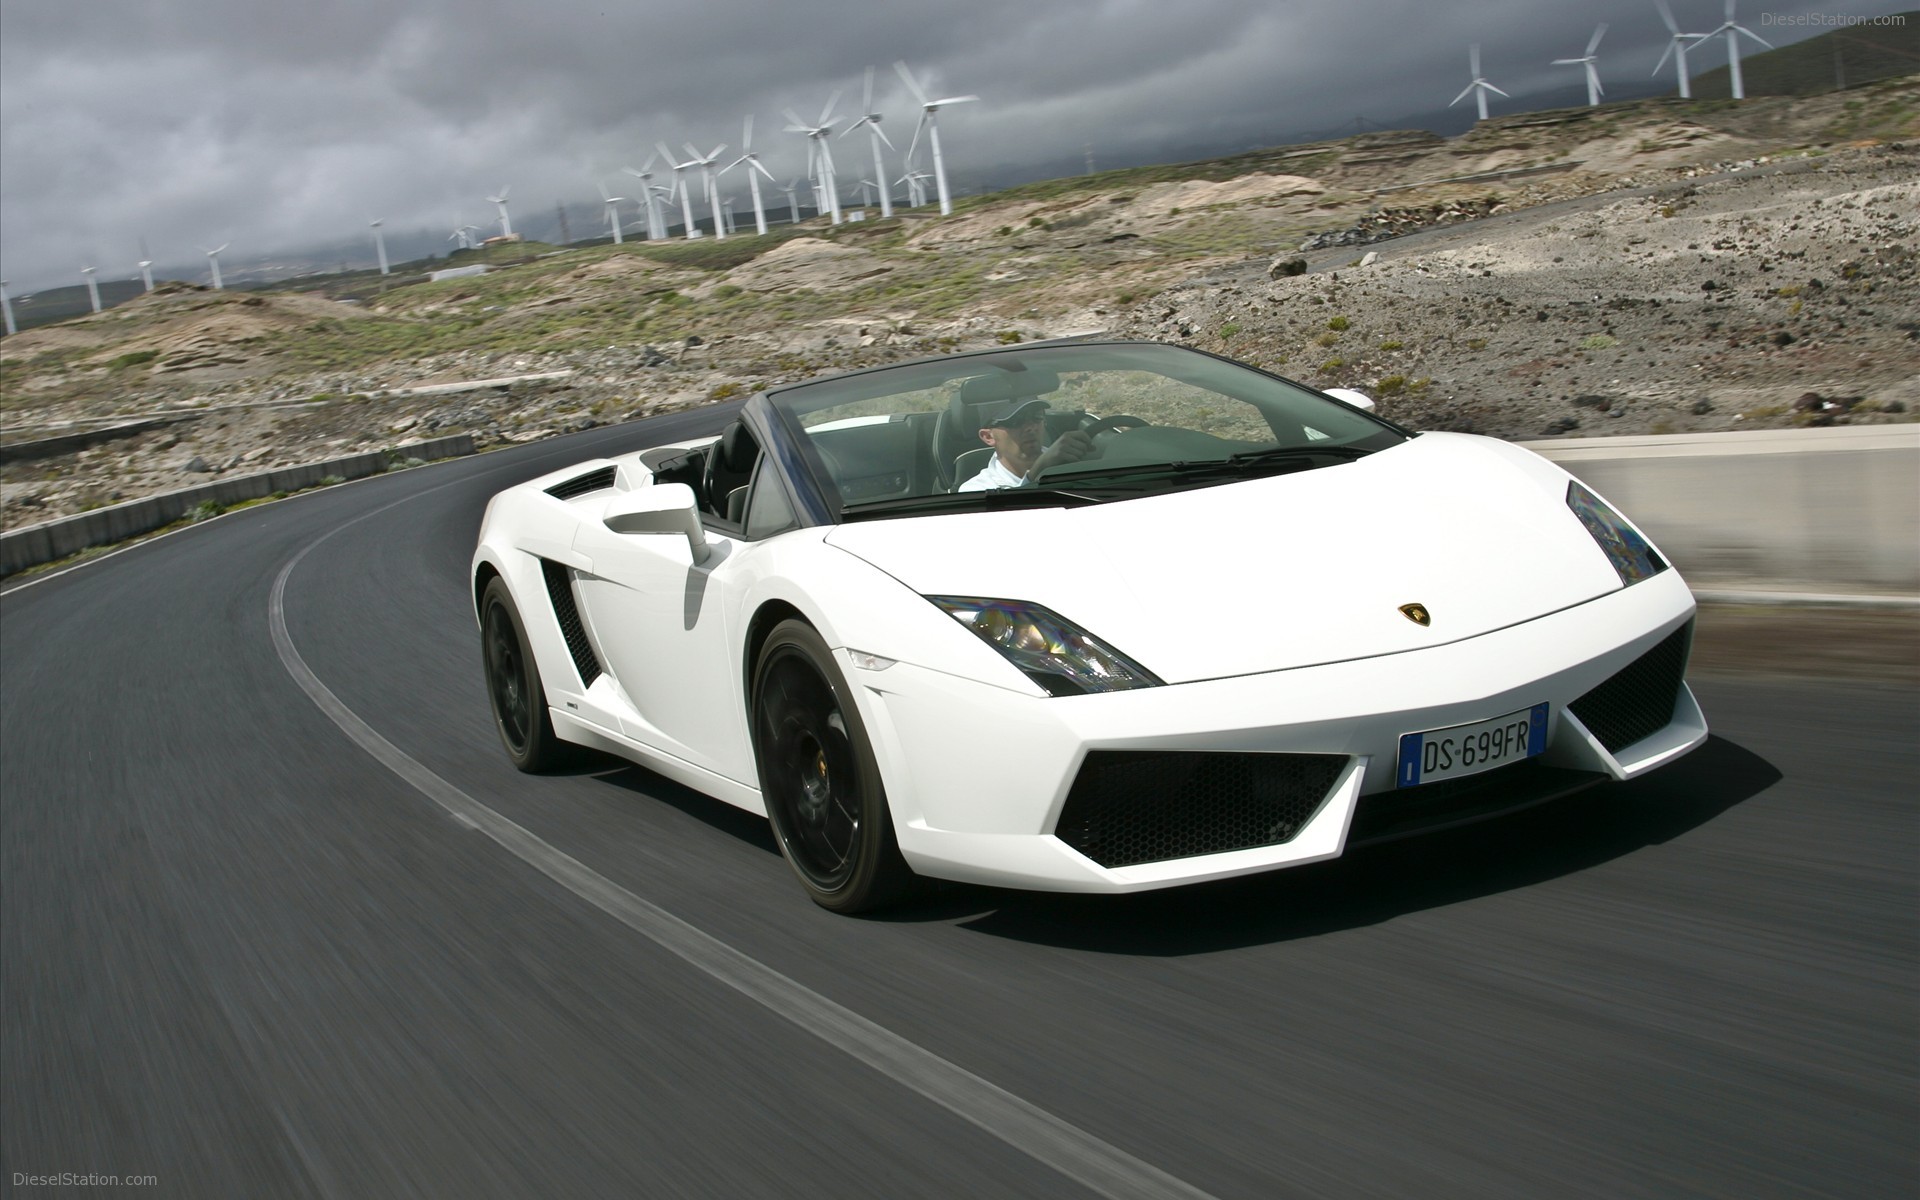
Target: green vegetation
{"type": "Point", "coordinates": [1339, 324]}
{"type": "Point", "coordinates": [1597, 341]}
{"type": "Point", "coordinates": [135, 359]}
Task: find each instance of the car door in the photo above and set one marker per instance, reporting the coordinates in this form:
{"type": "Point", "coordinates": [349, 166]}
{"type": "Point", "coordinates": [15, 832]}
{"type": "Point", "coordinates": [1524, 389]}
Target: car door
{"type": "Point", "coordinates": [661, 623]}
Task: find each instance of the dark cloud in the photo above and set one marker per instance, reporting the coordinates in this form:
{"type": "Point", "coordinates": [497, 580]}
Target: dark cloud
{"type": "Point", "coordinates": [281, 128]}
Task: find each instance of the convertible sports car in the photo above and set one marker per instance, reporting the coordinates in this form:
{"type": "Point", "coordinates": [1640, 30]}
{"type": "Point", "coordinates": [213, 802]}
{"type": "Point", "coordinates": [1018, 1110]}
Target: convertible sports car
{"type": "Point", "coordinates": [1245, 625]}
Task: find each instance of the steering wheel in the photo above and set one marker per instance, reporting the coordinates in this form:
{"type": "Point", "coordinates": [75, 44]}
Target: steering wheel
{"type": "Point", "coordinates": [1098, 428]}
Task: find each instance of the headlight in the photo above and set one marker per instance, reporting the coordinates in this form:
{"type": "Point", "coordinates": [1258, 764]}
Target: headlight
{"type": "Point", "coordinates": [1629, 553]}
{"type": "Point", "coordinates": [1052, 651]}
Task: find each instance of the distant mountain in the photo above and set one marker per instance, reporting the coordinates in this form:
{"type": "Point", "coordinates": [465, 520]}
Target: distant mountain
{"type": "Point", "coordinates": [1843, 58]}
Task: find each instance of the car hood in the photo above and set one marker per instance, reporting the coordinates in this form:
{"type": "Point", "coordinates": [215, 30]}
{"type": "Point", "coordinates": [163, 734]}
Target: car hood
{"type": "Point", "coordinates": [1269, 574]}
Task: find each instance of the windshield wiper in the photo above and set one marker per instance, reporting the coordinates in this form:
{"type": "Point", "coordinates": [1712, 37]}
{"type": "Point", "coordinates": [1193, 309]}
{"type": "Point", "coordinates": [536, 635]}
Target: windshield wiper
{"type": "Point", "coordinates": [1279, 453]}
{"type": "Point", "coordinates": [1274, 460]}
{"type": "Point", "coordinates": [993, 498]}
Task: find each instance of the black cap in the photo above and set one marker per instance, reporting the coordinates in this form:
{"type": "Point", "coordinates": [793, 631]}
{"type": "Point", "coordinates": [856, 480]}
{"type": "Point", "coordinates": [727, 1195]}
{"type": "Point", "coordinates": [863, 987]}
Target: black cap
{"type": "Point", "coordinates": [1008, 412]}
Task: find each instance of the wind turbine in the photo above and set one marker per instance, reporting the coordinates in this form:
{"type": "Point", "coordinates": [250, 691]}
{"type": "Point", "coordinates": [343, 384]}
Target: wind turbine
{"type": "Point", "coordinates": [680, 181]}
{"type": "Point", "coordinates": [213, 257]}
{"type": "Point", "coordinates": [613, 212]}
{"type": "Point", "coordinates": [871, 120]}
{"type": "Point", "coordinates": [1677, 47]}
{"type": "Point", "coordinates": [866, 193]}
{"type": "Point", "coordinates": [1594, 89]}
{"type": "Point", "coordinates": [752, 160]}
{"type": "Point", "coordinates": [93, 289]}
{"type": "Point", "coordinates": [1733, 49]}
{"type": "Point", "coordinates": [656, 228]}
{"type": "Point", "coordinates": [1479, 88]}
{"type": "Point", "coordinates": [793, 209]}
{"type": "Point", "coordinates": [6, 309]}
{"type": "Point", "coordinates": [380, 244]}
{"type": "Point", "coordinates": [146, 273]}
{"type": "Point", "coordinates": [827, 188]}
{"type": "Point", "coordinates": [705, 163]}
{"type": "Point", "coordinates": [500, 201]}
{"type": "Point", "coordinates": [927, 122]}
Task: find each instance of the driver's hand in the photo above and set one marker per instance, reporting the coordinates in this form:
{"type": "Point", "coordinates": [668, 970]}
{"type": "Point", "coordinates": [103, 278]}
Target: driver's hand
{"type": "Point", "coordinates": [1070, 447]}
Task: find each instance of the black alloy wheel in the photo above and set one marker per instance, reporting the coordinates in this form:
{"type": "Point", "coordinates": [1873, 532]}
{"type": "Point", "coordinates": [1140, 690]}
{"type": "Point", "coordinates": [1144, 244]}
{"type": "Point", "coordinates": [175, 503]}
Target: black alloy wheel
{"type": "Point", "coordinates": [819, 778]}
{"type": "Point", "coordinates": [513, 685]}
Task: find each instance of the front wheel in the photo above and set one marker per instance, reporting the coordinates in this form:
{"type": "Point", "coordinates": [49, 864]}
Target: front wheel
{"type": "Point", "coordinates": [513, 685]}
{"type": "Point", "coordinates": [819, 777]}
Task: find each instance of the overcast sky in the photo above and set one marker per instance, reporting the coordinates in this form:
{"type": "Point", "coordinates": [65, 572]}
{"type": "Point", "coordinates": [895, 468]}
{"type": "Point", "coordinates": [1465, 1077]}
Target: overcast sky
{"type": "Point", "coordinates": [283, 128]}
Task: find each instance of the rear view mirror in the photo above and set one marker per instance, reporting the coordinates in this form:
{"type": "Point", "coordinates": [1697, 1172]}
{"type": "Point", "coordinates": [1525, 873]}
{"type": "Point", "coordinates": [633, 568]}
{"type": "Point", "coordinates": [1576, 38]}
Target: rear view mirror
{"type": "Point", "coordinates": [1359, 400]}
{"type": "Point", "coordinates": [661, 508]}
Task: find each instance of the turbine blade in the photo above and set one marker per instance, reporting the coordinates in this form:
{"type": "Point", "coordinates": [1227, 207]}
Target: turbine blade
{"type": "Point", "coordinates": [1666, 14]}
{"type": "Point", "coordinates": [826, 114]}
{"type": "Point", "coordinates": [866, 98]}
{"type": "Point", "coordinates": [1561, 62]}
{"type": "Point", "coordinates": [1491, 88]}
{"type": "Point", "coordinates": [755, 164]}
{"type": "Point", "coordinates": [954, 100]}
{"type": "Point", "coordinates": [1463, 95]}
{"type": "Point", "coordinates": [746, 134]}
{"type": "Point", "coordinates": [907, 78]}
{"type": "Point", "coordinates": [1593, 77]}
{"type": "Point", "coordinates": [1756, 37]}
{"type": "Point", "coordinates": [880, 133]}
{"type": "Point", "coordinates": [795, 118]}
{"type": "Point", "coordinates": [1599, 32]}
{"type": "Point", "coordinates": [1473, 58]}
{"type": "Point", "coordinates": [1663, 58]}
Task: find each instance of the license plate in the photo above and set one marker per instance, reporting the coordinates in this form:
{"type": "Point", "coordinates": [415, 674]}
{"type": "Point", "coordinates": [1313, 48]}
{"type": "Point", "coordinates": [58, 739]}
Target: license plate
{"type": "Point", "coordinates": [1470, 749]}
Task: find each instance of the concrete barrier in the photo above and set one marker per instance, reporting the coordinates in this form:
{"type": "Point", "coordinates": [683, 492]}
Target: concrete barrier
{"type": "Point", "coordinates": [1801, 510]}
{"type": "Point", "coordinates": [48, 541]}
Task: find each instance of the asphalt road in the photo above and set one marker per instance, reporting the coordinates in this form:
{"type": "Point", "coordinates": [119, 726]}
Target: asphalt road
{"type": "Point", "coordinates": [240, 954]}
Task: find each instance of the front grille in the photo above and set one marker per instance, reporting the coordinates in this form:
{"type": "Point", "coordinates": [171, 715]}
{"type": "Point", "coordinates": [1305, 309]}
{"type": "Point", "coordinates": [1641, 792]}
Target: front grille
{"type": "Point", "coordinates": [580, 485]}
{"type": "Point", "coordinates": [1402, 812]}
{"type": "Point", "coordinates": [560, 591]}
{"type": "Point", "coordinates": [1637, 701]}
{"type": "Point", "coordinates": [1130, 806]}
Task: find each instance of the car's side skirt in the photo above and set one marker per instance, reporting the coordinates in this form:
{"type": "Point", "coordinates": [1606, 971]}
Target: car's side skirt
{"type": "Point", "coordinates": [573, 728]}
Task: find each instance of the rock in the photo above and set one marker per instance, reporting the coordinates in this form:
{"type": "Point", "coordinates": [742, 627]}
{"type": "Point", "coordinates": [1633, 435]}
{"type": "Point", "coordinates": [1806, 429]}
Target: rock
{"type": "Point", "coordinates": [197, 465]}
{"type": "Point", "coordinates": [1562, 425]}
{"type": "Point", "coordinates": [1283, 267]}
{"type": "Point", "coordinates": [1809, 402]}
{"type": "Point", "coordinates": [1702, 407]}
{"type": "Point", "coordinates": [1783, 338]}
{"type": "Point", "coordinates": [1369, 258]}
{"type": "Point", "coordinates": [1598, 403]}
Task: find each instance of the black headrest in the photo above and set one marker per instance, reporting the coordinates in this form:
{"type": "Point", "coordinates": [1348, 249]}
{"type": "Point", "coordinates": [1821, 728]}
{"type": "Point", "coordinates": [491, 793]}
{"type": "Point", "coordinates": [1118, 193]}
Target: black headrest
{"type": "Point", "coordinates": [737, 448]}
{"type": "Point", "coordinates": [1006, 385]}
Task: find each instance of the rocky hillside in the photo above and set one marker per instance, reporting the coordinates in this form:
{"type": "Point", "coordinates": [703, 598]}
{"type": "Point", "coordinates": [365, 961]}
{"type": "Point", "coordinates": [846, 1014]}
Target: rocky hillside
{"type": "Point", "coordinates": [1636, 268]}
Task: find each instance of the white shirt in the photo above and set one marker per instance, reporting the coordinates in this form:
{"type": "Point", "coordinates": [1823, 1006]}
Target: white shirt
{"type": "Point", "coordinates": [994, 475]}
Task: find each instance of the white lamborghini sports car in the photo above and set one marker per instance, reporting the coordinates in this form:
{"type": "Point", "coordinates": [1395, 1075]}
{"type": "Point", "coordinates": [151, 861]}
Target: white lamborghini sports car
{"type": "Point", "coordinates": [1247, 626]}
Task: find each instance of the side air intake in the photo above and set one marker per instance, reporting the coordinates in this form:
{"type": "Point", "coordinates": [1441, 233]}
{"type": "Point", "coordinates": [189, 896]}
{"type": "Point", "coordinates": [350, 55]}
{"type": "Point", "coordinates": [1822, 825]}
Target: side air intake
{"type": "Point", "coordinates": [560, 591]}
{"type": "Point", "coordinates": [580, 485]}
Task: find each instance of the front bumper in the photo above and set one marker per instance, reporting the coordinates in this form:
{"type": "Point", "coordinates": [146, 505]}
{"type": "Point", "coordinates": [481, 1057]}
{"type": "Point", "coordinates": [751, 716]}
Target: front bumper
{"type": "Point", "coordinates": [978, 776]}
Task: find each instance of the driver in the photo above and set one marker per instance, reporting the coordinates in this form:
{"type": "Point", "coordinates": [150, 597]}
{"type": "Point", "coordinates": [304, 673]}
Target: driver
{"type": "Point", "coordinates": [1015, 429]}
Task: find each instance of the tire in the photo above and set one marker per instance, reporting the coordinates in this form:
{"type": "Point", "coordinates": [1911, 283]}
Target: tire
{"type": "Point", "coordinates": [514, 689]}
{"type": "Point", "coordinates": [819, 777]}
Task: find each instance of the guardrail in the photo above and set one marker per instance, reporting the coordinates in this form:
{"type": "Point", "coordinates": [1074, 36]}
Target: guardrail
{"type": "Point", "coordinates": [1792, 510]}
{"type": "Point", "coordinates": [50, 541]}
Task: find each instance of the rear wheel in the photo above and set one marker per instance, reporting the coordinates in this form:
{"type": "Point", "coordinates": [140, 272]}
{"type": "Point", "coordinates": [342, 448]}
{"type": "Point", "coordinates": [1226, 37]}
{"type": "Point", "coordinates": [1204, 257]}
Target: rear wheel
{"type": "Point", "coordinates": [819, 778]}
{"type": "Point", "coordinates": [513, 685]}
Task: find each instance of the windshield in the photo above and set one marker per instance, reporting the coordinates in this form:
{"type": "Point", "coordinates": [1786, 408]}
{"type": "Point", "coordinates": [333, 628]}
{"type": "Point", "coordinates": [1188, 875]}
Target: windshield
{"type": "Point", "coordinates": [1085, 423]}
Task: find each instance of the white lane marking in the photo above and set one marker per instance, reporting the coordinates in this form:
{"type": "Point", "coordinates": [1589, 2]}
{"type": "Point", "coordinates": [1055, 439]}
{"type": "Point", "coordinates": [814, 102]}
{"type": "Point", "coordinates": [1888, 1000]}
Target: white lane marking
{"type": "Point", "coordinates": [1068, 1149]}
